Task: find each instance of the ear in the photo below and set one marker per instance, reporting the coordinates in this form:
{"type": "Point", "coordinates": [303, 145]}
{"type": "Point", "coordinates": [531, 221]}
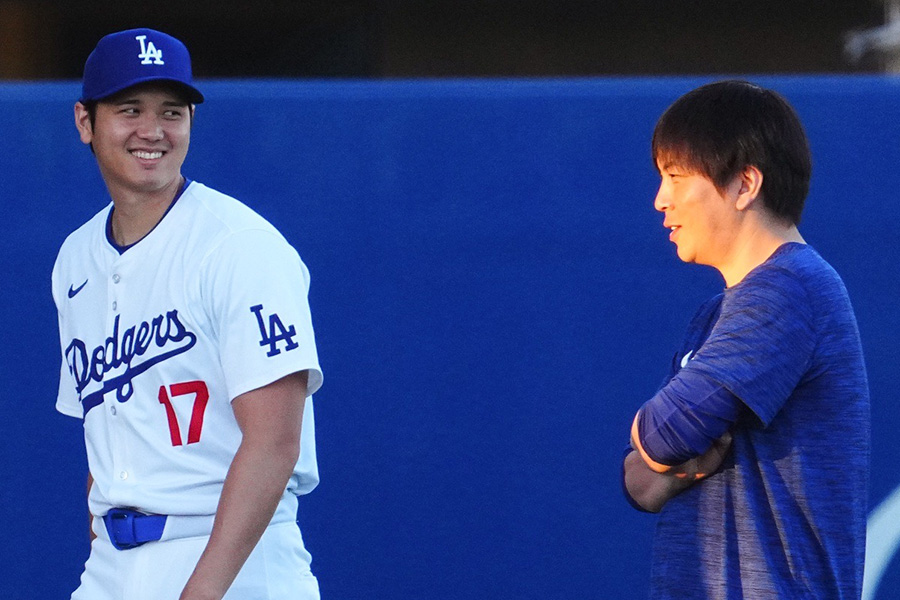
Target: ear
{"type": "Point", "coordinates": [83, 123]}
{"type": "Point", "coordinates": [751, 179]}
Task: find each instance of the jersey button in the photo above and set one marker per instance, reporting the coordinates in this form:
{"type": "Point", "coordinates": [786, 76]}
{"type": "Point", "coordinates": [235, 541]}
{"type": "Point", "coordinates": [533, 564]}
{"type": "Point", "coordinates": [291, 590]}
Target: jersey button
{"type": "Point", "coordinates": [112, 409]}
{"type": "Point", "coordinates": [116, 278]}
{"type": "Point", "coordinates": [115, 305]}
{"type": "Point", "coordinates": [123, 475]}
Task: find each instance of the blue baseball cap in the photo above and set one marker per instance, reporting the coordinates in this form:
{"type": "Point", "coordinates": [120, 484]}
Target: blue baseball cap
{"type": "Point", "coordinates": [127, 58]}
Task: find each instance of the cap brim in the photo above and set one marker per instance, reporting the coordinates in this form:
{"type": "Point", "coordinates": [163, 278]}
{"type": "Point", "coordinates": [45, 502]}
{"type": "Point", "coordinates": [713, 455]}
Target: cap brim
{"type": "Point", "coordinates": [193, 94]}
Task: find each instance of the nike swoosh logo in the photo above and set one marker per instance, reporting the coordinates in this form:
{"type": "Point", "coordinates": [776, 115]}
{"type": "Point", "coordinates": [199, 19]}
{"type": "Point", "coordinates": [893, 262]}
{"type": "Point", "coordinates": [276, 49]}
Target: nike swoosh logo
{"type": "Point", "coordinates": [687, 357]}
{"type": "Point", "coordinates": [74, 290]}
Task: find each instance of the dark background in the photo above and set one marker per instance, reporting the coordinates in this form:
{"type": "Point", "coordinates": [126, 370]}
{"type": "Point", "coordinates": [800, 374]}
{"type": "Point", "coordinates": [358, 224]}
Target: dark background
{"type": "Point", "coordinates": [440, 38]}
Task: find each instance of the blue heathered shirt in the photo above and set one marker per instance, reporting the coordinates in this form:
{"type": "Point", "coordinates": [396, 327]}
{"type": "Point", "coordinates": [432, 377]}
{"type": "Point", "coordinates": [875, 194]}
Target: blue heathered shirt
{"type": "Point", "coordinates": [785, 516]}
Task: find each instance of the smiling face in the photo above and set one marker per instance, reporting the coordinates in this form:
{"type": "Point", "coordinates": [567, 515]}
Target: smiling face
{"type": "Point", "coordinates": [140, 138]}
{"type": "Point", "coordinates": [703, 220]}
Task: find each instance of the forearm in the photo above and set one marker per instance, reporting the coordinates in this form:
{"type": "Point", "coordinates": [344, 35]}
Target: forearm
{"type": "Point", "coordinates": [91, 534]}
{"type": "Point", "coordinates": [683, 420]}
{"type": "Point", "coordinates": [271, 419]}
{"type": "Point", "coordinates": [649, 489]}
{"type": "Point", "coordinates": [253, 487]}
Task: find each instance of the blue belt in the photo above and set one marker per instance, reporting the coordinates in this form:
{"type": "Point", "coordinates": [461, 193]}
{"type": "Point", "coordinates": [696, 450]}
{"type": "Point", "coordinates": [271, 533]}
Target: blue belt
{"type": "Point", "coordinates": [130, 528]}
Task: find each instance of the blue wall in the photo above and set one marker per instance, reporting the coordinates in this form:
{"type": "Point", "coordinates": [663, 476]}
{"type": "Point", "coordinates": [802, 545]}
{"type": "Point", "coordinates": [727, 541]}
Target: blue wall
{"type": "Point", "coordinates": [493, 294]}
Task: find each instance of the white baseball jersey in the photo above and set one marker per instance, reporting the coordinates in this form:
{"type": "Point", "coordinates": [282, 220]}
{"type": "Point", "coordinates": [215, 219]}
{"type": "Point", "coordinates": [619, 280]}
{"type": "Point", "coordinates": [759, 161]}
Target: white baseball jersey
{"type": "Point", "coordinates": [158, 340]}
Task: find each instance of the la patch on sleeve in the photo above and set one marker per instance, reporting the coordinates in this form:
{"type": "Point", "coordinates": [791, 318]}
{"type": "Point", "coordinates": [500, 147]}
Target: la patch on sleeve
{"type": "Point", "coordinates": [272, 331]}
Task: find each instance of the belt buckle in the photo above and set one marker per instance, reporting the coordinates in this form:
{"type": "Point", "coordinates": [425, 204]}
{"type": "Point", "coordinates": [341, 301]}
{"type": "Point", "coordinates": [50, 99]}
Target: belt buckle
{"type": "Point", "coordinates": [120, 526]}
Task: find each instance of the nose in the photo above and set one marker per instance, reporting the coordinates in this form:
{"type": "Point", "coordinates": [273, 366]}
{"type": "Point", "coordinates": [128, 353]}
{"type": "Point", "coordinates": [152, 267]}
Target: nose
{"type": "Point", "coordinates": [150, 129]}
{"type": "Point", "coordinates": [661, 202]}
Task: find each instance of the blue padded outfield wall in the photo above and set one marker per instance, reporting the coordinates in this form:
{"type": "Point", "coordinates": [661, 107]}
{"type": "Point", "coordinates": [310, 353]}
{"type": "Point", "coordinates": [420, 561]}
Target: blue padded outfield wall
{"type": "Point", "coordinates": [493, 294]}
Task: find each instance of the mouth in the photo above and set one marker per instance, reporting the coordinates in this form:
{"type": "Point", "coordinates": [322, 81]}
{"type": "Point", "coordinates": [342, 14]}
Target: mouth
{"type": "Point", "coordinates": [673, 229]}
{"type": "Point", "coordinates": [146, 155]}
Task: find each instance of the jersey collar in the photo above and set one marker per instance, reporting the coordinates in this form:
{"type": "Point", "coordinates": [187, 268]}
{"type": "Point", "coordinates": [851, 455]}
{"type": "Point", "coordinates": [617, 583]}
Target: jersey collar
{"type": "Point", "coordinates": [122, 249]}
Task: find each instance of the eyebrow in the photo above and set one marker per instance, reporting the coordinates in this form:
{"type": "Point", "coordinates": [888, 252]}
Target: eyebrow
{"type": "Point", "coordinates": [174, 103]}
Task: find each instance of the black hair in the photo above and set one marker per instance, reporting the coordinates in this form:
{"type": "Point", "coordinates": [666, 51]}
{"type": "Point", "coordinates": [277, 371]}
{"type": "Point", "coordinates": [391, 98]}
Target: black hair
{"type": "Point", "coordinates": [91, 107]}
{"type": "Point", "coordinates": [719, 129]}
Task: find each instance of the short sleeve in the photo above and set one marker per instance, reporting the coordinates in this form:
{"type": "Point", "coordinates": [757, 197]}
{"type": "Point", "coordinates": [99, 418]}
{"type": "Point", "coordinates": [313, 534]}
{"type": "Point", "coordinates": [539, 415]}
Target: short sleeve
{"type": "Point", "coordinates": [763, 342]}
{"type": "Point", "coordinates": [67, 401]}
{"type": "Point", "coordinates": [255, 290]}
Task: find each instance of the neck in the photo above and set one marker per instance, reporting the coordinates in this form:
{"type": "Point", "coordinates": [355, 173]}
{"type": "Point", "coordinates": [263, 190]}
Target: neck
{"type": "Point", "coordinates": [754, 245]}
{"type": "Point", "coordinates": [136, 214]}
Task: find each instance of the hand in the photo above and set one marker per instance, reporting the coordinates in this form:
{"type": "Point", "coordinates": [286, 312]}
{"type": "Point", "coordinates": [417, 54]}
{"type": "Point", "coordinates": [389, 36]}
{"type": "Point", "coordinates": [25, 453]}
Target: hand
{"type": "Point", "coordinates": [707, 463]}
{"type": "Point", "coordinates": [652, 489]}
{"type": "Point", "coordinates": [198, 588]}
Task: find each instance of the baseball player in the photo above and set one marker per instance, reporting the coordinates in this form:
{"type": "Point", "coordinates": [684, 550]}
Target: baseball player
{"type": "Point", "coordinates": [188, 351]}
{"type": "Point", "coordinates": [755, 451]}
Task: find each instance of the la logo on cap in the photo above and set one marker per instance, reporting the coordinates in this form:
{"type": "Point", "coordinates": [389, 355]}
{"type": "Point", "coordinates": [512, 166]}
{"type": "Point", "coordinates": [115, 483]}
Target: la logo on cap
{"type": "Point", "coordinates": [149, 54]}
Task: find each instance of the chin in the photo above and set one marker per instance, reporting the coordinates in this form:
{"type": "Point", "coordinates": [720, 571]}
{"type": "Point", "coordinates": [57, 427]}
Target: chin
{"type": "Point", "coordinates": [684, 255]}
{"type": "Point", "coordinates": [152, 184]}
